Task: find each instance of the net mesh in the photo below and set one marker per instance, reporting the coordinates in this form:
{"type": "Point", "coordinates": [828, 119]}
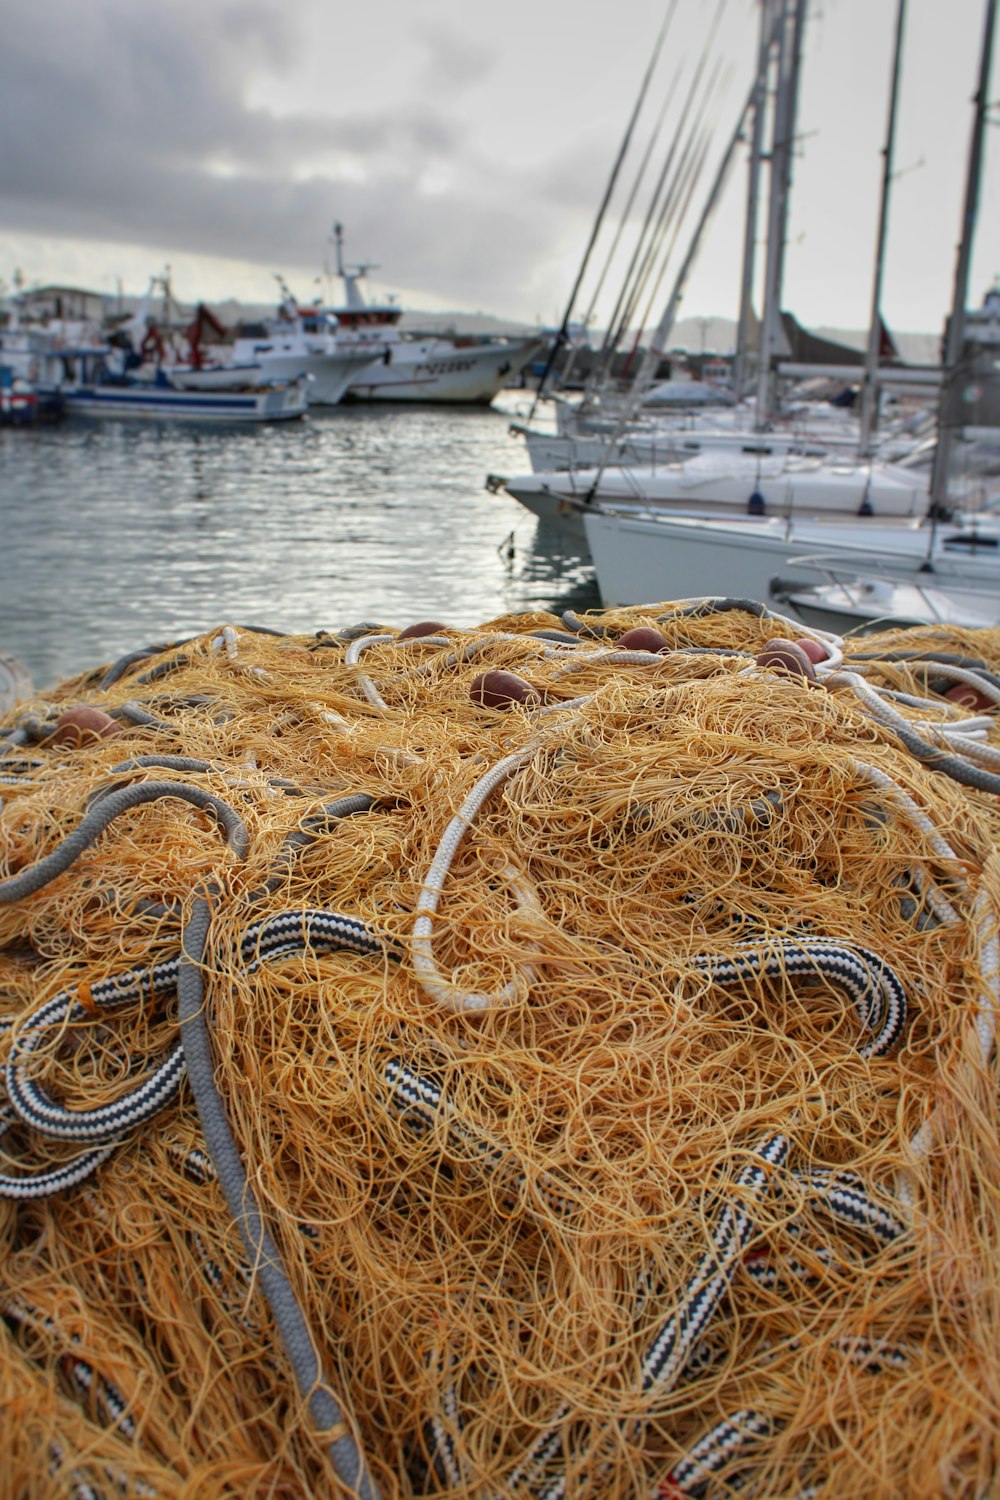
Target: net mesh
{"type": "Point", "coordinates": [604, 1174]}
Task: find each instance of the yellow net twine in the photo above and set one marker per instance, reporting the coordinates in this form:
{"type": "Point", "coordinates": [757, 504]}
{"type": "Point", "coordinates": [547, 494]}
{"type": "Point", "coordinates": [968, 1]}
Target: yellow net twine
{"type": "Point", "coordinates": [595, 1177]}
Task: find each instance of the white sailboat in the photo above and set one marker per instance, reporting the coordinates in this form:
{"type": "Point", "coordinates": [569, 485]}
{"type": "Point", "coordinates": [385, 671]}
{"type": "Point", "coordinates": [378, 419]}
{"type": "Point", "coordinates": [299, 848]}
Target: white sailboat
{"type": "Point", "coordinates": [653, 443]}
{"type": "Point", "coordinates": [641, 556]}
{"type": "Point", "coordinates": [842, 601]}
{"type": "Point", "coordinates": [766, 469]}
{"type": "Point", "coordinates": [752, 478]}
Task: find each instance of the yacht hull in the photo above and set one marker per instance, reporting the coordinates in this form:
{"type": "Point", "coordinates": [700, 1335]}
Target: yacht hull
{"type": "Point", "coordinates": [720, 484]}
{"type": "Point", "coordinates": [642, 558]}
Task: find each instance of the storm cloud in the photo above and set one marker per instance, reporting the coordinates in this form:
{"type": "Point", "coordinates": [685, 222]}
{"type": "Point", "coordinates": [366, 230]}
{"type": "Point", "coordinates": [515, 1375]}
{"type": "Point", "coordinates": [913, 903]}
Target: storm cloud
{"type": "Point", "coordinates": [131, 123]}
{"type": "Point", "coordinates": [465, 148]}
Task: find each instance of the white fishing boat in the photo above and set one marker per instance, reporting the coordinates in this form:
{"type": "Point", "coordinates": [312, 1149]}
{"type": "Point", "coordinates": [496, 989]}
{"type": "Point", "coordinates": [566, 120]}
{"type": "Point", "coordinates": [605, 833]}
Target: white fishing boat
{"type": "Point", "coordinates": [155, 346]}
{"type": "Point", "coordinates": [301, 341]}
{"type": "Point", "coordinates": [401, 367]}
{"type": "Point", "coordinates": [222, 377]}
{"type": "Point", "coordinates": [18, 398]}
{"type": "Point", "coordinates": [87, 386]}
{"type": "Point", "coordinates": [278, 402]}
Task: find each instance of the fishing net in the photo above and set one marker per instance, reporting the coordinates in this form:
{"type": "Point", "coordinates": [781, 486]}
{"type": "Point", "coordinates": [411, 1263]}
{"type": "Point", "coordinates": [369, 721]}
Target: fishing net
{"type": "Point", "coordinates": [589, 1091]}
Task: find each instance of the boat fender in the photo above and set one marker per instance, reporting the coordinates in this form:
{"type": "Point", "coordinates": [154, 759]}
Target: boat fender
{"type": "Point", "coordinates": [815, 650]}
{"type": "Point", "coordinates": [756, 505]}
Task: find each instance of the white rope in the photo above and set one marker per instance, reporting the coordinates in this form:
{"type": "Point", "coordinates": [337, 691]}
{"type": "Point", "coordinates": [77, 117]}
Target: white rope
{"type": "Point", "coordinates": [425, 967]}
{"type": "Point", "coordinates": [911, 813]}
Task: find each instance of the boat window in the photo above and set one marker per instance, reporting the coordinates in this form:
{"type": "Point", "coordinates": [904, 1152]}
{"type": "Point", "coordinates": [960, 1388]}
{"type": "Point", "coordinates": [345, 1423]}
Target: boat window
{"type": "Point", "coordinates": [971, 540]}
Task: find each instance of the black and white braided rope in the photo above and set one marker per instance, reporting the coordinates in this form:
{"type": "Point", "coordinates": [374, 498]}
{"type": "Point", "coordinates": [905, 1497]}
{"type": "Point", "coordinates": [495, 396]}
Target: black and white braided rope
{"type": "Point", "coordinates": [842, 1196]}
{"type": "Point", "coordinates": [733, 1438]}
{"type": "Point", "coordinates": [421, 1104]}
{"type": "Point", "coordinates": [271, 938]}
{"type": "Point", "coordinates": [672, 1346]}
{"type": "Point", "coordinates": [110, 1402]}
{"type": "Point", "coordinates": [442, 1429]}
{"type": "Point", "coordinates": [867, 981]}
{"type": "Point", "coordinates": [85, 1380]}
{"type": "Point", "coordinates": [743, 1433]}
{"type": "Point", "coordinates": [683, 1332]}
{"type": "Point", "coordinates": [36, 1108]}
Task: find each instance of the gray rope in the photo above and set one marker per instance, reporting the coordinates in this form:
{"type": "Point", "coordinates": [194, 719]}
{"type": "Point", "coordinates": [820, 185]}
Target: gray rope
{"type": "Point", "coordinates": [720, 606]}
{"type": "Point", "coordinates": [945, 658]}
{"type": "Point", "coordinates": [591, 628]}
{"type": "Point", "coordinates": [308, 831]}
{"type": "Point", "coordinates": [930, 755]}
{"type": "Point", "coordinates": [688, 649]}
{"type": "Point", "coordinates": [121, 666]}
{"type": "Point", "coordinates": [345, 1455]}
{"type": "Point", "coordinates": [160, 762]}
{"type": "Point", "coordinates": [97, 819]}
{"type": "Point", "coordinates": [134, 713]}
{"type": "Point", "coordinates": [355, 632]}
{"type": "Point", "coordinates": [173, 664]}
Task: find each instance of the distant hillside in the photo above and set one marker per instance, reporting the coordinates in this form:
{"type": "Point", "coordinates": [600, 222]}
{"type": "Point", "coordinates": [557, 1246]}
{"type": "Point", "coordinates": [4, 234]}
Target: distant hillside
{"type": "Point", "coordinates": [914, 348]}
{"type": "Point", "coordinates": [696, 335]}
{"type": "Point", "coordinates": [718, 335]}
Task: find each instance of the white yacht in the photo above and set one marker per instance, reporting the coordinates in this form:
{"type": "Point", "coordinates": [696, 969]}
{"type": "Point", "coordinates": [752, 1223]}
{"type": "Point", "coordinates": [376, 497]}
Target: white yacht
{"type": "Point", "coordinates": [752, 479]}
{"type": "Point", "coordinates": [403, 368]}
{"type": "Point", "coordinates": [654, 445]}
{"type": "Point", "coordinates": [641, 556]}
{"type": "Point", "coordinates": [843, 601]}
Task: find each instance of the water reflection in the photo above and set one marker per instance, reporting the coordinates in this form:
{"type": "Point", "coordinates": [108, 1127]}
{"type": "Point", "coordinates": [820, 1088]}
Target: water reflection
{"type": "Point", "coordinates": [116, 534]}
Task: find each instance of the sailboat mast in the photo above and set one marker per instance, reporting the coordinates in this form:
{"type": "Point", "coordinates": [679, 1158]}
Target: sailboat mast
{"type": "Point", "coordinates": [955, 337]}
{"type": "Point", "coordinates": [652, 356]}
{"type": "Point", "coordinates": [869, 393]}
{"type": "Point", "coordinates": [758, 106]}
{"type": "Point", "coordinates": [658, 342]}
{"type": "Point", "coordinates": [560, 339]}
{"type": "Point", "coordinates": [790, 28]}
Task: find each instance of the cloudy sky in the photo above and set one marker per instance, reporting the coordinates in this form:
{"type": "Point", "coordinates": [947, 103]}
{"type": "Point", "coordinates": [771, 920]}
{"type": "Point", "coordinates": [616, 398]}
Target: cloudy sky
{"type": "Point", "coordinates": [465, 146]}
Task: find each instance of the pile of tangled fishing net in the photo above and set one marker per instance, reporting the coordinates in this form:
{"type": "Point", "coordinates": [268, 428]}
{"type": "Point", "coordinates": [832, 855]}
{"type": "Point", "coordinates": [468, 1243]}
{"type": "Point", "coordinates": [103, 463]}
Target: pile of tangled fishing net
{"type": "Point", "coordinates": [547, 1060]}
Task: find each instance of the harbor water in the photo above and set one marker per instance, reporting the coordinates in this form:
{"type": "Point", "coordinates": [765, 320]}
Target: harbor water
{"type": "Point", "coordinates": [119, 534]}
